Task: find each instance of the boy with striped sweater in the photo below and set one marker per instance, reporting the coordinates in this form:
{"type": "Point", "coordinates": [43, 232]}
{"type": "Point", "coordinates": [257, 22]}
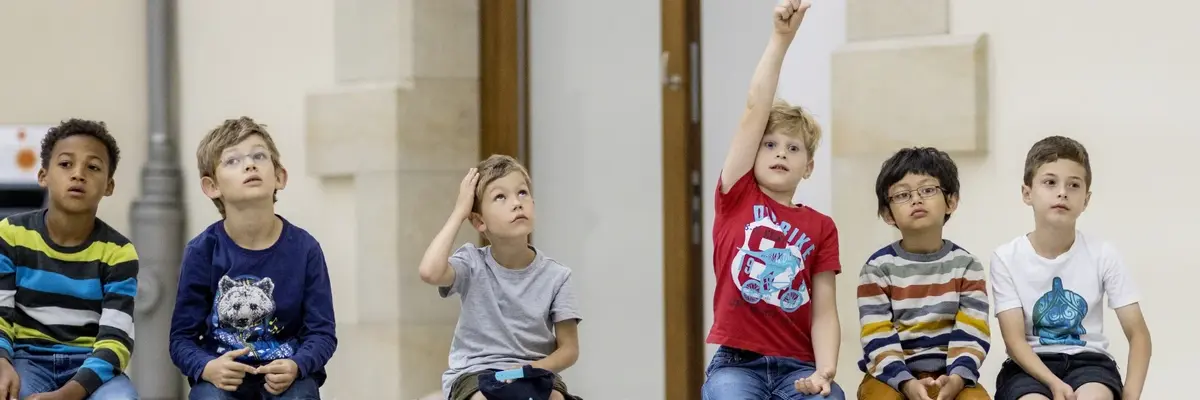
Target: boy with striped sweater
{"type": "Point", "coordinates": [67, 279]}
{"type": "Point", "coordinates": [922, 301]}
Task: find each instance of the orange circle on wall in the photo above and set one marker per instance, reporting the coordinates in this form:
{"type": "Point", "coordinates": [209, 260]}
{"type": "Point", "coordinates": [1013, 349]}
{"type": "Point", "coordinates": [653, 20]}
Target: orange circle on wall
{"type": "Point", "coordinates": [26, 159]}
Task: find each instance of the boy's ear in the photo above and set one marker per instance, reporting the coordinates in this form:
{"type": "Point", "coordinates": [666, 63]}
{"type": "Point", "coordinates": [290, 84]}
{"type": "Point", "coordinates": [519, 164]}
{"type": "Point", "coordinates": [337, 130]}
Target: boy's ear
{"type": "Point", "coordinates": [112, 184]}
{"type": "Point", "coordinates": [951, 203]}
{"type": "Point", "coordinates": [808, 168]}
{"type": "Point", "coordinates": [281, 178]}
{"type": "Point", "coordinates": [209, 186]}
{"type": "Point", "coordinates": [887, 217]}
{"type": "Point", "coordinates": [1026, 195]}
{"type": "Point", "coordinates": [41, 177]}
{"type": "Point", "coordinates": [477, 222]}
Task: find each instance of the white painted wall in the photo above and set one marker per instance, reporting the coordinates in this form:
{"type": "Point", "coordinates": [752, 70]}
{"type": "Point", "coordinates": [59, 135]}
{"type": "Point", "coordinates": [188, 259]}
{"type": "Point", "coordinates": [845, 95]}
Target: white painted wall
{"type": "Point", "coordinates": [595, 110]}
{"type": "Point", "coordinates": [1123, 83]}
{"type": "Point", "coordinates": [86, 60]}
{"type": "Point", "coordinates": [734, 35]}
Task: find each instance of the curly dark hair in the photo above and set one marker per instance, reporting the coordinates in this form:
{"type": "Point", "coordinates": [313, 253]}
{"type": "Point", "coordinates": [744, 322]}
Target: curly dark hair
{"type": "Point", "coordinates": [76, 126]}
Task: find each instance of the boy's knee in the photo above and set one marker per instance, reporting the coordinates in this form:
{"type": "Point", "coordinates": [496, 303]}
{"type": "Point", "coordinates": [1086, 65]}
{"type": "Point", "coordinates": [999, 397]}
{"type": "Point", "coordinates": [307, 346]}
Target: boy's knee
{"type": "Point", "coordinates": [835, 392]}
{"type": "Point", "coordinates": [478, 396]}
{"type": "Point", "coordinates": [1033, 397]}
{"type": "Point", "coordinates": [556, 395]}
{"type": "Point", "coordinates": [1094, 391]}
{"type": "Point", "coordinates": [974, 393]}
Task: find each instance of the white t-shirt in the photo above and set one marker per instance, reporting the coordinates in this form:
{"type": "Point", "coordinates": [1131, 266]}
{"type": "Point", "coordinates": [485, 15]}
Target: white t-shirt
{"type": "Point", "coordinates": [1061, 296]}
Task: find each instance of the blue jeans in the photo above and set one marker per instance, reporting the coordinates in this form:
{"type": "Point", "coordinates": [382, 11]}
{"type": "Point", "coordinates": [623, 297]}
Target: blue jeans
{"type": "Point", "coordinates": [743, 375]}
{"type": "Point", "coordinates": [252, 389]}
{"type": "Point", "coordinates": [41, 373]}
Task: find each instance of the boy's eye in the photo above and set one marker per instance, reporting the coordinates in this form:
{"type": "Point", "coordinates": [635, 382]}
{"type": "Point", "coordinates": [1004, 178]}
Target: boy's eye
{"type": "Point", "coordinates": [900, 196]}
{"type": "Point", "coordinates": [259, 156]}
{"type": "Point", "coordinates": [1048, 182]}
{"type": "Point", "coordinates": [94, 168]}
{"type": "Point", "coordinates": [793, 148]}
{"type": "Point", "coordinates": [769, 144]}
{"type": "Point", "coordinates": [64, 164]}
{"type": "Point", "coordinates": [927, 191]}
{"type": "Point", "coordinates": [498, 197]}
{"type": "Point", "coordinates": [523, 193]}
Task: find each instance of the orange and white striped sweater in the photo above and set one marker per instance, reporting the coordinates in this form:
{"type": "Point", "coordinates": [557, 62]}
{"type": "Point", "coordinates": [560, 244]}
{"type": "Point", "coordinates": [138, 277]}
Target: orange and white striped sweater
{"type": "Point", "coordinates": [923, 313]}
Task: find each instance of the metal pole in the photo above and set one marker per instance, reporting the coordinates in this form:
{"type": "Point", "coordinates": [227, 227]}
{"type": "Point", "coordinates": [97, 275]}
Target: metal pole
{"type": "Point", "coordinates": [157, 218]}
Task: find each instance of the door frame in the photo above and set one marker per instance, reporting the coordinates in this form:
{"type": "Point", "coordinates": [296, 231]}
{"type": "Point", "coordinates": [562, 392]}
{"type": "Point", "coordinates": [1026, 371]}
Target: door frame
{"type": "Point", "coordinates": [683, 224]}
{"type": "Point", "coordinates": [504, 129]}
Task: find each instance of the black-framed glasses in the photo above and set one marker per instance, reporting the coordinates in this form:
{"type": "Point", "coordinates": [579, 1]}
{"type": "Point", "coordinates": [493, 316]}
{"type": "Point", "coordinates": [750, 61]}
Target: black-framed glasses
{"type": "Point", "coordinates": [906, 196]}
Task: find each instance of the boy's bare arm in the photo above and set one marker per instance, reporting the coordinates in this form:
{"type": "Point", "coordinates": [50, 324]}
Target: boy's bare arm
{"type": "Point", "coordinates": [1012, 329]}
{"type": "Point", "coordinates": [744, 147]}
{"type": "Point", "coordinates": [567, 334]}
{"type": "Point", "coordinates": [1134, 325]}
{"type": "Point", "coordinates": [435, 264]}
{"type": "Point", "coordinates": [826, 330]}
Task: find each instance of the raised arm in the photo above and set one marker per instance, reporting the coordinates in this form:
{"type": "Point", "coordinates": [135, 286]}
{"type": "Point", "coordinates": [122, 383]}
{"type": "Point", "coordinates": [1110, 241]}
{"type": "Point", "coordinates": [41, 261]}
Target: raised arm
{"type": "Point", "coordinates": [971, 338]}
{"type": "Point", "coordinates": [744, 147]}
{"type": "Point", "coordinates": [435, 265]}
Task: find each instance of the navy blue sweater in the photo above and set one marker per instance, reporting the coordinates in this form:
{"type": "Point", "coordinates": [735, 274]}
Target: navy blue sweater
{"type": "Point", "coordinates": [276, 301]}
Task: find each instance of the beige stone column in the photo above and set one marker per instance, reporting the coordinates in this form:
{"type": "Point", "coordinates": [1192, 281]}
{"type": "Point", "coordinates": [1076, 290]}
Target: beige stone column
{"type": "Point", "coordinates": [403, 124]}
{"type": "Point", "coordinates": [902, 80]}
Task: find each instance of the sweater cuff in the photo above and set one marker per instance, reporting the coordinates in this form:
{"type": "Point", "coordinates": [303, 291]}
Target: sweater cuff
{"type": "Point", "coordinates": [197, 372]}
{"type": "Point", "coordinates": [88, 379]}
{"type": "Point", "coordinates": [970, 377]}
{"type": "Point", "coordinates": [897, 383]}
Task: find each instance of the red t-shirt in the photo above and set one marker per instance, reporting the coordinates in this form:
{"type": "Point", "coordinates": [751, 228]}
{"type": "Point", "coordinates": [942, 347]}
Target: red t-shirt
{"type": "Point", "coordinates": [756, 240]}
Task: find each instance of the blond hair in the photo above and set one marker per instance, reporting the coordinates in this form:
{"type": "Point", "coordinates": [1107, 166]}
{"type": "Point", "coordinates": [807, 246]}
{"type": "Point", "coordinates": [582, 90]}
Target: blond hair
{"type": "Point", "coordinates": [495, 167]}
{"type": "Point", "coordinates": [229, 134]}
{"type": "Point", "coordinates": [794, 121]}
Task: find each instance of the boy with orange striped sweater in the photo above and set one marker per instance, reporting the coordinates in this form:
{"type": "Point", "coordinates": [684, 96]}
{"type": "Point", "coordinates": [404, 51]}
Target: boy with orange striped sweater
{"type": "Point", "coordinates": [922, 301]}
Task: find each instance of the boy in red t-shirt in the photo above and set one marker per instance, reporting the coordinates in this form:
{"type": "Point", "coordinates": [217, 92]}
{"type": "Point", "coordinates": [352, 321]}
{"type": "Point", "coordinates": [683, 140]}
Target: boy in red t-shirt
{"type": "Point", "coordinates": [775, 261]}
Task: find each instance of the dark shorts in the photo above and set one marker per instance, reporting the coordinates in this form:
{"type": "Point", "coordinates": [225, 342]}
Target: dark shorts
{"type": "Point", "coordinates": [1076, 370]}
{"type": "Point", "coordinates": [468, 384]}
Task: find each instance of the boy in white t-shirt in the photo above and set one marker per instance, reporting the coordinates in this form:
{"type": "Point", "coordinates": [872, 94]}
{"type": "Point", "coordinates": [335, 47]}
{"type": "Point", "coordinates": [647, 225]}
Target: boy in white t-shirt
{"type": "Point", "coordinates": [1047, 288]}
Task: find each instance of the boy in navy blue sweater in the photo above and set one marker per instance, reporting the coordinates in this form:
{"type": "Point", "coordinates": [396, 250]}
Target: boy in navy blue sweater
{"type": "Point", "coordinates": [254, 313]}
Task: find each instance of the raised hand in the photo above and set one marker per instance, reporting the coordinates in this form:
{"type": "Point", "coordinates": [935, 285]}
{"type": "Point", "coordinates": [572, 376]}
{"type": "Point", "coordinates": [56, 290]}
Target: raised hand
{"type": "Point", "coordinates": [788, 14]}
{"type": "Point", "coordinates": [466, 194]}
{"type": "Point", "coordinates": [226, 374]}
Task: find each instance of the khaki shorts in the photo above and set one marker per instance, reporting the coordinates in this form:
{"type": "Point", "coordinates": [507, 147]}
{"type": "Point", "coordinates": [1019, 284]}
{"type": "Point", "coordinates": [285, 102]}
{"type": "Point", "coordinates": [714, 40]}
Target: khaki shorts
{"type": "Point", "coordinates": [468, 384]}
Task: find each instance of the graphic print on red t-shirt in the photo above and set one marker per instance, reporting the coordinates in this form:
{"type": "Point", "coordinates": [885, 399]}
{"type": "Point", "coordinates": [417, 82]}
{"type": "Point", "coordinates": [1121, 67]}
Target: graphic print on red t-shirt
{"type": "Point", "coordinates": [764, 256]}
{"type": "Point", "coordinates": [769, 261]}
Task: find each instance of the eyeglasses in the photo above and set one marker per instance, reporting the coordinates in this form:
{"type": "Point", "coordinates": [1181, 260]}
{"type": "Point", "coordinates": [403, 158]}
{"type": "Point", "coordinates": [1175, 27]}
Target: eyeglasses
{"type": "Point", "coordinates": [235, 161]}
{"type": "Point", "coordinates": [905, 196]}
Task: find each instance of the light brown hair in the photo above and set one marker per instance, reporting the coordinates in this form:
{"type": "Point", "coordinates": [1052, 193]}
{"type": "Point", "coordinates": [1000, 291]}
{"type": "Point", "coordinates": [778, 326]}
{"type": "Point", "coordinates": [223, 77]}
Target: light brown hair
{"type": "Point", "coordinates": [795, 121]}
{"type": "Point", "coordinates": [495, 167]}
{"type": "Point", "coordinates": [1056, 148]}
{"type": "Point", "coordinates": [229, 134]}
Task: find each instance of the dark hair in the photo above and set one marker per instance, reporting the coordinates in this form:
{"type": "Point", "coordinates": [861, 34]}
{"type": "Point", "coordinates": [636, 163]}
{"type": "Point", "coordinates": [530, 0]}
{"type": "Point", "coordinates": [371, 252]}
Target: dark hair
{"type": "Point", "coordinates": [1056, 148]}
{"type": "Point", "coordinates": [916, 160]}
{"type": "Point", "coordinates": [76, 126]}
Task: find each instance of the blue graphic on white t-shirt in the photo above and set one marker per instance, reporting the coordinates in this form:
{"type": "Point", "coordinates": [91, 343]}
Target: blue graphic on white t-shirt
{"type": "Point", "coordinates": [1058, 316]}
{"type": "Point", "coordinates": [769, 261]}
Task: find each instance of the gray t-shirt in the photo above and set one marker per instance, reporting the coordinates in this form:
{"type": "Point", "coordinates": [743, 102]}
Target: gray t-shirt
{"type": "Point", "coordinates": [508, 315]}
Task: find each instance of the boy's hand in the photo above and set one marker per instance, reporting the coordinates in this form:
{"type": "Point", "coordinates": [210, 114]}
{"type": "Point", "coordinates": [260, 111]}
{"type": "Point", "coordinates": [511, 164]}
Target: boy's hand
{"type": "Point", "coordinates": [71, 391]}
{"type": "Point", "coordinates": [279, 375]}
{"type": "Point", "coordinates": [226, 374]}
{"type": "Point", "coordinates": [1062, 391]}
{"type": "Point", "coordinates": [950, 386]}
{"type": "Point", "coordinates": [918, 389]}
{"type": "Point", "coordinates": [818, 382]}
{"type": "Point", "coordinates": [466, 194]}
{"type": "Point", "coordinates": [10, 383]}
{"type": "Point", "coordinates": [788, 15]}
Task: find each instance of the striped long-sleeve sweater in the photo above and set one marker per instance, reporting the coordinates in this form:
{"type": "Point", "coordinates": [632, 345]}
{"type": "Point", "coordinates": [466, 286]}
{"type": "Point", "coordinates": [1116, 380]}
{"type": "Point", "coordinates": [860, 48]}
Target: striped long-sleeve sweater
{"type": "Point", "coordinates": [67, 300]}
{"type": "Point", "coordinates": [923, 313]}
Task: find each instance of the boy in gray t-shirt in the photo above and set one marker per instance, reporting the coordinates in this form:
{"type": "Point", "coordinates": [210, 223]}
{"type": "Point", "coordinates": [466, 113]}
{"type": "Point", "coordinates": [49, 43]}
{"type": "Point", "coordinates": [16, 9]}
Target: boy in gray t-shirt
{"type": "Point", "coordinates": [518, 307]}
